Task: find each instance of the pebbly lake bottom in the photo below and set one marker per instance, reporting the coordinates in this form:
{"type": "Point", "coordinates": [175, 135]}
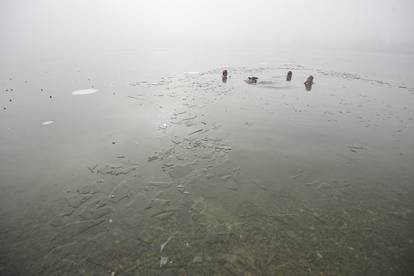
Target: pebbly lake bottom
{"type": "Point", "coordinates": [188, 175]}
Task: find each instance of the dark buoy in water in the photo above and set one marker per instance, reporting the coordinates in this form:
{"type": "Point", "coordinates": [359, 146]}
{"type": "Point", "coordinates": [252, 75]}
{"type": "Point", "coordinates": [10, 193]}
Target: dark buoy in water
{"type": "Point", "coordinates": [309, 80]}
{"type": "Point", "coordinates": [289, 76]}
{"type": "Point", "coordinates": [252, 80]}
{"type": "Point", "coordinates": [308, 83]}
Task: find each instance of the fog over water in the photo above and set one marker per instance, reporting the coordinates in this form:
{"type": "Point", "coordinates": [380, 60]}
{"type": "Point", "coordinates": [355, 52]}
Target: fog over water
{"type": "Point", "coordinates": [63, 27]}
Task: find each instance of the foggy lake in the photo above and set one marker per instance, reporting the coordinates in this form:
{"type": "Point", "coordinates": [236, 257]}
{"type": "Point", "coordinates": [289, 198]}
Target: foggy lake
{"type": "Point", "coordinates": [124, 150]}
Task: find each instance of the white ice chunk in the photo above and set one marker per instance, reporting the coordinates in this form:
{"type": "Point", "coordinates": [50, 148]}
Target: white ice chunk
{"type": "Point", "coordinates": [47, 123]}
{"type": "Point", "coordinates": [84, 92]}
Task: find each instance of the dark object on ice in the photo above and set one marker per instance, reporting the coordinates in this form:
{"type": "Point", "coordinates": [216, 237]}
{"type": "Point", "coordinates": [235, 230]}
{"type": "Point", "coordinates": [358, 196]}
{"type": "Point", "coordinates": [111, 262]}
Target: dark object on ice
{"type": "Point", "coordinates": [224, 76]}
{"type": "Point", "coordinates": [308, 83]}
{"type": "Point", "coordinates": [252, 80]}
{"type": "Point", "coordinates": [289, 76]}
{"type": "Point", "coordinates": [309, 80]}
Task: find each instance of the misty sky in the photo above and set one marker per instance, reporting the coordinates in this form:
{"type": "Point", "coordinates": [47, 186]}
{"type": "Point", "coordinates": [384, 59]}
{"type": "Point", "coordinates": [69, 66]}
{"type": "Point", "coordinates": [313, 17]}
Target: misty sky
{"type": "Point", "coordinates": [77, 24]}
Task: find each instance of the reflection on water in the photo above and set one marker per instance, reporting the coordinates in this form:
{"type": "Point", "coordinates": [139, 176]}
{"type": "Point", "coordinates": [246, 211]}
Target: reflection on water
{"type": "Point", "coordinates": [308, 86]}
{"type": "Point", "coordinates": [210, 177]}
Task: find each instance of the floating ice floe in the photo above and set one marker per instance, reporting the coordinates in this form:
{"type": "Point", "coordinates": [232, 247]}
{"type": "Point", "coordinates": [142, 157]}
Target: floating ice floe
{"type": "Point", "coordinates": [192, 73]}
{"type": "Point", "coordinates": [84, 92]}
{"type": "Point", "coordinates": [47, 123]}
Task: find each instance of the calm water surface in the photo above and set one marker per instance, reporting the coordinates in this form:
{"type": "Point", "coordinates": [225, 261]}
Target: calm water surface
{"type": "Point", "coordinates": [131, 163]}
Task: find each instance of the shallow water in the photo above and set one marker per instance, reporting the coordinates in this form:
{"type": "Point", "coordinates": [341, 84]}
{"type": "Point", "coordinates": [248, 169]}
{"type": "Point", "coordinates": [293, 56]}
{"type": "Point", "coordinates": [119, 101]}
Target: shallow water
{"type": "Point", "coordinates": [170, 171]}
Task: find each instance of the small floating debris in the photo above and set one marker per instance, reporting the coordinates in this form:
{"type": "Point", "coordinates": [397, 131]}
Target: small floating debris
{"type": "Point", "coordinates": [152, 158]}
{"type": "Point", "coordinates": [194, 132]}
{"type": "Point", "coordinates": [355, 147]}
{"type": "Point", "coordinates": [47, 123]}
{"type": "Point", "coordinates": [197, 259]}
{"type": "Point", "coordinates": [132, 97]}
{"type": "Point", "coordinates": [163, 261]}
{"type": "Point", "coordinates": [163, 245]}
{"type": "Point", "coordinates": [84, 92]}
{"type": "Point", "coordinates": [159, 184]}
